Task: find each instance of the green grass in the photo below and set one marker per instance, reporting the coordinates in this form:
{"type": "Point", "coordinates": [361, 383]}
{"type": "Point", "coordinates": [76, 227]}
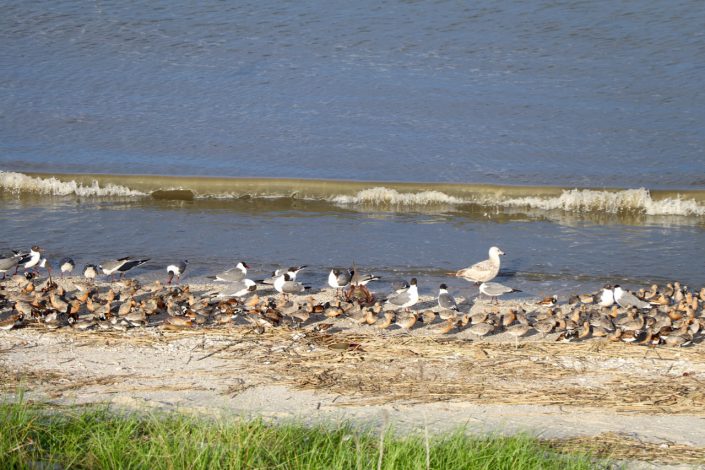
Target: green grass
{"type": "Point", "coordinates": [41, 437]}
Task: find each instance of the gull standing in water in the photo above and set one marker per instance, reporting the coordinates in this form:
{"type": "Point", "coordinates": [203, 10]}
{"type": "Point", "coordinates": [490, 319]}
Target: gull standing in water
{"type": "Point", "coordinates": [176, 270]}
{"type": "Point", "coordinates": [495, 289]}
{"type": "Point", "coordinates": [404, 299]}
{"type": "Point", "coordinates": [483, 271]}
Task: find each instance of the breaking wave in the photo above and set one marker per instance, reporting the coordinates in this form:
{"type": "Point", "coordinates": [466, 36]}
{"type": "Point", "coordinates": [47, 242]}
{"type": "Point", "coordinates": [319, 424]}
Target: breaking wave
{"type": "Point", "coordinates": [611, 202]}
{"type": "Point", "coordinates": [19, 182]}
{"type": "Point", "coordinates": [397, 196]}
{"type": "Point", "coordinates": [392, 197]}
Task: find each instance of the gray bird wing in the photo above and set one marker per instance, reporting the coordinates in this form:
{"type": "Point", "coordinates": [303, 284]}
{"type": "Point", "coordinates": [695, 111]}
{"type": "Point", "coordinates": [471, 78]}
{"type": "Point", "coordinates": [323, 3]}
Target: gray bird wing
{"type": "Point", "coordinates": [447, 301]}
{"type": "Point", "coordinates": [494, 289]}
{"type": "Point", "coordinates": [292, 287]}
{"type": "Point", "coordinates": [9, 263]}
{"type": "Point", "coordinates": [231, 275]}
{"type": "Point", "coordinates": [399, 299]}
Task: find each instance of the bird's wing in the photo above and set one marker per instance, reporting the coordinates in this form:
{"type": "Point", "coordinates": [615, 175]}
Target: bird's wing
{"type": "Point", "coordinates": [477, 270]}
{"type": "Point", "coordinates": [400, 298]}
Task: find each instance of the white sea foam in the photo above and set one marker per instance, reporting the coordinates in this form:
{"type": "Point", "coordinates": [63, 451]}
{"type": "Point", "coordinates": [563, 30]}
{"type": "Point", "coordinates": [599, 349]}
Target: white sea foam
{"type": "Point", "coordinates": [18, 182]}
{"type": "Point", "coordinates": [612, 202]}
{"type": "Point", "coordinates": [392, 197]}
{"type": "Point", "coordinates": [574, 200]}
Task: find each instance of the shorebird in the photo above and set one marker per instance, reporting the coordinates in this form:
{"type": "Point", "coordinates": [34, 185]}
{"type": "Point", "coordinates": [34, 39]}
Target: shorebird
{"type": "Point", "coordinates": [6, 264]}
{"type": "Point", "coordinates": [400, 285]}
{"type": "Point", "coordinates": [31, 259]}
{"type": "Point", "coordinates": [284, 284]}
{"type": "Point", "coordinates": [481, 329]}
{"type": "Point", "coordinates": [292, 271]}
{"type": "Point", "coordinates": [90, 271]}
{"type": "Point", "coordinates": [626, 299]}
{"type": "Point", "coordinates": [404, 299]}
{"type": "Point", "coordinates": [483, 271]}
{"type": "Point", "coordinates": [607, 296]}
{"type": "Point", "coordinates": [236, 274]}
{"type": "Point", "coordinates": [339, 279]}
{"type": "Point", "coordinates": [109, 268]}
{"type": "Point", "coordinates": [176, 270]}
{"type": "Point", "coordinates": [130, 264]}
{"type": "Point", "coordinates": [239, 289]}
{"type": "Point", "coordinates": [550, 301]}
{"type": "Point", "coordinates": [520, 329]}
{"type": "Point", "coordinates": [495, 289]}
{"type": "Point", "coordinates": [66, 265]}
{"type": "Point", "coordinates": [446, 300]}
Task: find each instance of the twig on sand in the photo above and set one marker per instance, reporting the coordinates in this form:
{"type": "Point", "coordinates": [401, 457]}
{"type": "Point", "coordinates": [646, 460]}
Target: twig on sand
{"type": "Point", "coordinates": [217, 351]}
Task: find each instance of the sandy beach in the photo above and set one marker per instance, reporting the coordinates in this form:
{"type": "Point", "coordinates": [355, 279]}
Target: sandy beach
{"type": "Point", "coordinates": [636, 397]}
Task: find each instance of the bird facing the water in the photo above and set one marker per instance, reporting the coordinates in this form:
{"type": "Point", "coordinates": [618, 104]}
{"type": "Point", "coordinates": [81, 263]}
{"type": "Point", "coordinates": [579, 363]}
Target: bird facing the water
{"type": "Point", "coordinates": [176, 270]}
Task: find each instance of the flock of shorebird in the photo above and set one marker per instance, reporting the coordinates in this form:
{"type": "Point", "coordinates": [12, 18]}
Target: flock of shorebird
{"type": "Point", "coordinates": [672, 315]}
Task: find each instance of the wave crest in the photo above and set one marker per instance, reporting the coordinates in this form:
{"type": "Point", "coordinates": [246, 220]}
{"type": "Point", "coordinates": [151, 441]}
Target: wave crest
{"type": "Point", "coordinates": [18, 182]}
{"type": "Point", "coordinates": [391, 197]}
{"type": "Point", "coordinates": [611, 202]}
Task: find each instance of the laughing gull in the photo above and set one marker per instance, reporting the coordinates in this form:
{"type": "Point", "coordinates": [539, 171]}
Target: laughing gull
{"type": "Point", "coordinates": [176, 270]}
{"type": "Point", "coordinates": [131, 264]}
{"type": "Point", "coordinates": [235, 274]}
{"type": "Point", "coordinates": [284, 284]}
{"type": "Point", "coordinates": [483, 271]}
{"type": "Point", "coordinates": [446, 300]}
{"type": "Point", "coordinates": [121, 265]}
{"type": "Point", "coordinates": [6, 264]}
{"type": "Point", "coordinates": [239, 289]}
{"type": "Point", "coordinates": [66, 265]}
{"type": "Point", "coordinates": [607, 296]}
{"type": "Point", "coordinates": [495, 289]}
{"type": "Point", "coordinates": [339, 279]}
{"type": "Point", "coordinates": [405, 298]}
{"type": "Point", "coordinates": [626, 299]}
{"type": "Point", "coordinates": [31, 259]}
{"type": "Point", "coordinates": [400, 286]}
{"type": "Point", "coordinates": [363, 279]}
{"type": "Point", "coordinates": [90, 271]}
{"type": "Point", "coordinates": [291, 271]}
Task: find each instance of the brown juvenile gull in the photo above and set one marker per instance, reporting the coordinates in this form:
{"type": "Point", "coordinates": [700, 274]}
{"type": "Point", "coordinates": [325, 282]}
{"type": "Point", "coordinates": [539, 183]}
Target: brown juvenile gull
{"type": "Point", "coordinates": [484, 270]}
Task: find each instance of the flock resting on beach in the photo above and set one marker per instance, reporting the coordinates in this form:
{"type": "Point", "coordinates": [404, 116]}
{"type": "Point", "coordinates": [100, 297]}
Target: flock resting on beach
{"type": "Point", "coordinates": [670, 315]}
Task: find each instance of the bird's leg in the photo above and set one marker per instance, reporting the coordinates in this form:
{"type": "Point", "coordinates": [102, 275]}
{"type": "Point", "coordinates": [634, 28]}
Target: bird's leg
{"type": "Point", "coordinates": [168, 281]}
